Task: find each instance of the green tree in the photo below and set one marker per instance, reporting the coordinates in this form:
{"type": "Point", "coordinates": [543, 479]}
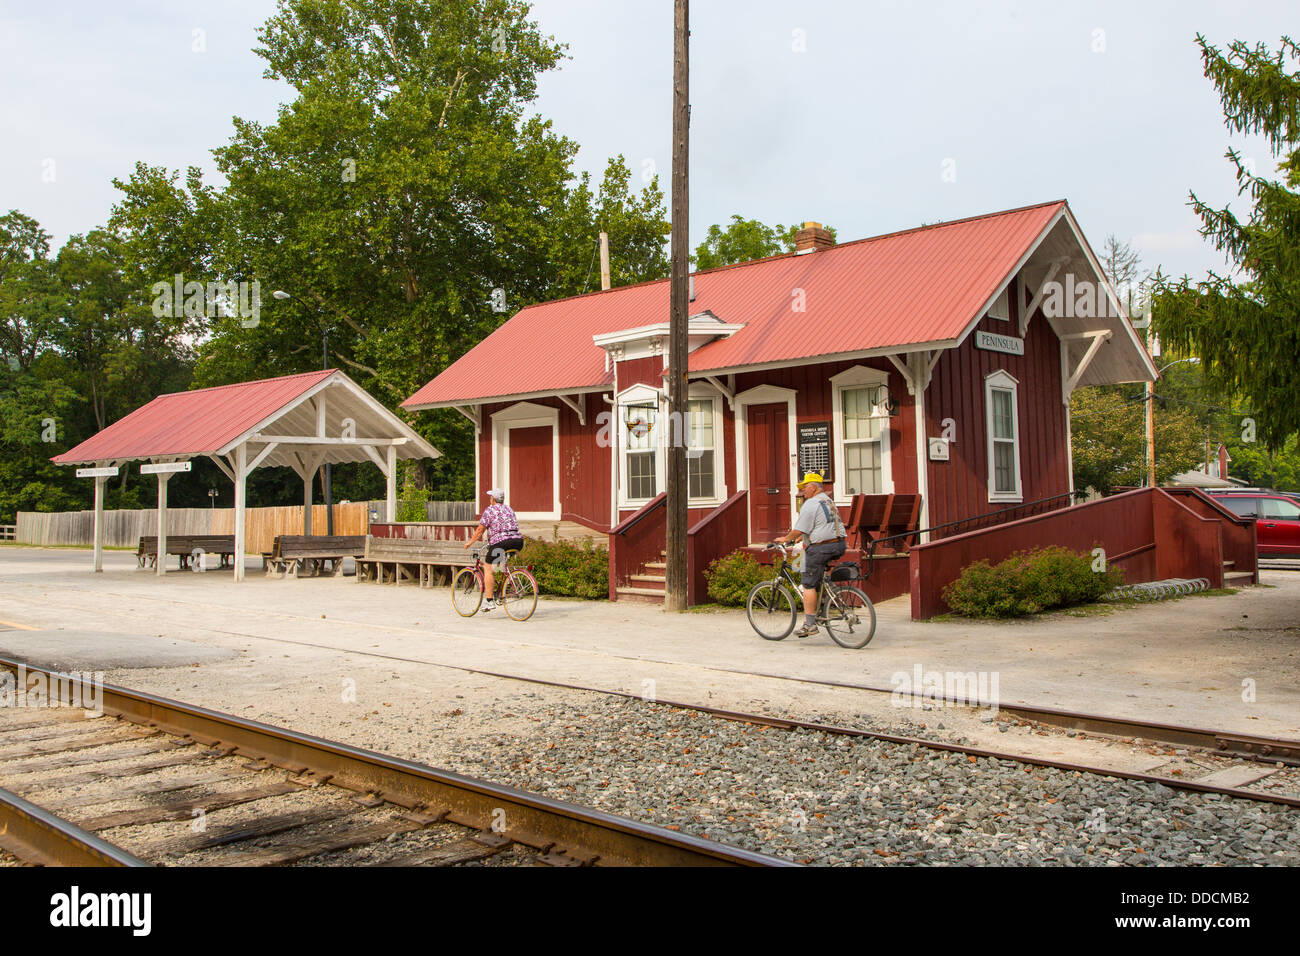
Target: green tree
{"type": "Point", "coordinates": [744, 240]}
{"type": "Point", "coordinates": [1246, 327]}
{"type": "Point", "coordinates": [1108, 432]}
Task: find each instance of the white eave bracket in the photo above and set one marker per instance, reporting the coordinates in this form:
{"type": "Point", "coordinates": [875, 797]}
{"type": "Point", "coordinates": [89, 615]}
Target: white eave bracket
{"type": "Point", "coordinates": [1070, 377]}
{"type": "Point", "coordinates": [916, 369]}
{"type": "Point", "coordinates": [579, 410]}
{"type": "Point", "coordinates": [474, 413]}
{"type": "Point", "coordinates": [1037, 300]}
{"type": "Point", "coordinates": [727, 393]}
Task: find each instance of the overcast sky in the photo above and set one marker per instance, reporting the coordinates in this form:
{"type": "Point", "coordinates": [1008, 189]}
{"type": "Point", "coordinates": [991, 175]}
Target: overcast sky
{"type": "Point", "coordinates": [868, 115]}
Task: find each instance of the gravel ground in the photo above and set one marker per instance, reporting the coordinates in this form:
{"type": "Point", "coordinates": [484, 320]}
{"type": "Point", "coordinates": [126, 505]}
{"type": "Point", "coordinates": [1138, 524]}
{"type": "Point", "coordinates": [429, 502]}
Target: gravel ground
{"type": "Point", "coordinates": [833, 800]}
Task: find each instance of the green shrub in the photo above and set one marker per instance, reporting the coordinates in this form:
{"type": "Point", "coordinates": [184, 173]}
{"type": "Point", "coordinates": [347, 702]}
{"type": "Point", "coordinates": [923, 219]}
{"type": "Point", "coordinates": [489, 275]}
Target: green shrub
{"type": "Point", "coordinates": [1029, 582]}
{"type": "Point", "coordinates": [731, 578]}
{"type": "Point", "coordinates": [568, 569]}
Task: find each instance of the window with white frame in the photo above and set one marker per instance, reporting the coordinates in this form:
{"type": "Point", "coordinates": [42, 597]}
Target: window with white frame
{"type": "Point", "coordinates": [1003, 437]}
{"type": "Point", "coordinates": [641, 456]}
{"type": "Point", "coordinates": [701, 444]}
{"type": "Point", "coordinates": [861, 446]}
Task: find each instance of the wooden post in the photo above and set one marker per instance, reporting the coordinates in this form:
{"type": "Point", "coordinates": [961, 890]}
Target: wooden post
{"type": "Point", "coordinates": [604, 260]}
{"type": "Point", "coordinates": [161, 565]}
{"type": "Point", "coordinates": [676, 485]}
{"type": "Point", "coordinates": [306, 502]}
{"type": "Point", "coordinates": [390, 501]}
{"type": "Point", "coordinates": [99, 523]}
{"type": "Point", "coordinates": [241, 473]}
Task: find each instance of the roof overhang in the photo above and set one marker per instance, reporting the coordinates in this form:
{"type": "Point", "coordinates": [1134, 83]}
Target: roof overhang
{"type": "Point", "coordinates": [1059, 249]}
{"type": "Point", "coordinates": [515, 397]}
{"type": "Point", "coordinates": [334, 421]}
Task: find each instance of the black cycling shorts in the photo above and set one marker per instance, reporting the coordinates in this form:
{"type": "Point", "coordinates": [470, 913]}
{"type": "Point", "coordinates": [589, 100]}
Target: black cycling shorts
{"type": "Point", "coordinates": [496, 554]}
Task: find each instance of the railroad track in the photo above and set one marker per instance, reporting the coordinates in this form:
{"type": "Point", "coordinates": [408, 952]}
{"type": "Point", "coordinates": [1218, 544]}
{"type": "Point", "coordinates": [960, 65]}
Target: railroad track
{"type": "Point", "coordinates": [140, 782]}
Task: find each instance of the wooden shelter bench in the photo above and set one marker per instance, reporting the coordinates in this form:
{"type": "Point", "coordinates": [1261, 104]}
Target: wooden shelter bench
{"type": "Point", "coordinates": [184, 546]}
{"type": "Point", "coordinates": [293, 554]}
{"type": "Point", "coordinates": [398, 560]}
{"type": "Point", "coordinates": [872, 517]}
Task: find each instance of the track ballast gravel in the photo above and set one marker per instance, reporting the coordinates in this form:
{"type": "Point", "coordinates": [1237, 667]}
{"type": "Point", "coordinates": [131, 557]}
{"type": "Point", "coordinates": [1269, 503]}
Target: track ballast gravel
{"type": "Point", "coordinates": [833, 800]}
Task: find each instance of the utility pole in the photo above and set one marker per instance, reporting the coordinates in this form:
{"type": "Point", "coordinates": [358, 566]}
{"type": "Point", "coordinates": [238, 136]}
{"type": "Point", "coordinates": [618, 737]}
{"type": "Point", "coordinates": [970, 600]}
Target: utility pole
{"type": "Point", "coordinates": [678, 426]}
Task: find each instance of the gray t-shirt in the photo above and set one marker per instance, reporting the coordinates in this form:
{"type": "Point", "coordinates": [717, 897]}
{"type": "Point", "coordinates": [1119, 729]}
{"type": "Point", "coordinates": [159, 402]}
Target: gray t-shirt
{"type": "Point", "coordinates": [819, 520]}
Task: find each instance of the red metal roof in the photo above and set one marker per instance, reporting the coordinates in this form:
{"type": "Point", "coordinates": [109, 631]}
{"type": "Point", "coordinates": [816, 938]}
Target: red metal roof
{"type": "Point", "coordinates": [192, 423]}
{"type": "Point", "coordinates": [903, 289]}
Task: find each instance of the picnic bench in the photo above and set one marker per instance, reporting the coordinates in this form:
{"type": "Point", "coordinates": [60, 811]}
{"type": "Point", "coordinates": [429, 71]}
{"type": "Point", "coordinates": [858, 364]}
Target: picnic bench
{"type": "Point", "coordinates": [184, 546]}
{"type": "Point", "coordinates": [872, 517]}
{"type": "Point", "coordinates": [294, 554]}
{"type": "Point", "coordinates": [418, 560]}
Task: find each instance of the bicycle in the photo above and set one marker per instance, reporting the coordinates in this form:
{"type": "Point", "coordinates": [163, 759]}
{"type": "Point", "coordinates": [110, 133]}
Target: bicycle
{"type": "Point", "coordinates": [773, 607]}
{"type": "Point", "coordinates": [517, 585]}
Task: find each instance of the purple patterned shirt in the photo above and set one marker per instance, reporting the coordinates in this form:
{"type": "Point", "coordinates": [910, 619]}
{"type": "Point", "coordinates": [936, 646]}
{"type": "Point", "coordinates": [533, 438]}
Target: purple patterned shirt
{"type": "Point", "coordinates": [500, 522]}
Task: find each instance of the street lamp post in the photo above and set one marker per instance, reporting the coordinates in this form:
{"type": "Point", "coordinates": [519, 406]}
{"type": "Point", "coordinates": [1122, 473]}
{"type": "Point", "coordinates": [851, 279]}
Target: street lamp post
{"type": "Point", "coordinates": [1151, 422]}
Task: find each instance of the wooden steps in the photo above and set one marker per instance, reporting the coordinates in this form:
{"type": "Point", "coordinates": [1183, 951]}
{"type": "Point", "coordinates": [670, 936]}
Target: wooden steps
{"type": "Point", "coordinates": [650, 585]}
{"type": "Point", "coordinates": [1236, 579]}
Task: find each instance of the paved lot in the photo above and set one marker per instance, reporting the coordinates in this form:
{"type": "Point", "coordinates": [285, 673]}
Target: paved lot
{"type": "Point", "coordinates": [1180, 662]}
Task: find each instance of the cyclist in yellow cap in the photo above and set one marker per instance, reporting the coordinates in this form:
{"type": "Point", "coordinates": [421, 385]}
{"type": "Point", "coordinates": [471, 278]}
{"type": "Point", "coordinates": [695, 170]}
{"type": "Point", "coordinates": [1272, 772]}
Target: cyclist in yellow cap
{"type": "Point", "coordinates": [819, 523]}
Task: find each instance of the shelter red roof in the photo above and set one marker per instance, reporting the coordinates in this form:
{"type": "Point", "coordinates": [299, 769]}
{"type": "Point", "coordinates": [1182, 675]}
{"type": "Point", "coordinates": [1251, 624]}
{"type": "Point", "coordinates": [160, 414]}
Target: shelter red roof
{"type": "Point", "coordinates": [198, 422]}
{"type": "Point", "coordinates": [904, 289]}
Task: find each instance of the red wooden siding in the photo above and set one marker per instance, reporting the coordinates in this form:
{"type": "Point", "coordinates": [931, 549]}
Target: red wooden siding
{"type": "Point", "coordinates": [812, 384]}
{"type": "Point", "coordinates": [584, 464]}
{"type": "Point", "coordinates": [959, 487]}
{"type": "Point", "coordinates": [642, 371]}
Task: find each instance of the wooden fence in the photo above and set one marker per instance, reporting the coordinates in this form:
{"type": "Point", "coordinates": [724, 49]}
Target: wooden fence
{"type": "Point", "coordinates": [123, 529]}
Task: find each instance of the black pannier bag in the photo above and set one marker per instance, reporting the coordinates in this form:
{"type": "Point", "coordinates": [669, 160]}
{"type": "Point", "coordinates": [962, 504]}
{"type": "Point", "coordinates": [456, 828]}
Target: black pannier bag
{"type": "Point", "coordinates": [847, 571]}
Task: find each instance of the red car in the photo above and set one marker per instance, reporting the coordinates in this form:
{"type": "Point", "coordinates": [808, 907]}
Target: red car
{"type": "Point", "coordinates": [1277, 524]}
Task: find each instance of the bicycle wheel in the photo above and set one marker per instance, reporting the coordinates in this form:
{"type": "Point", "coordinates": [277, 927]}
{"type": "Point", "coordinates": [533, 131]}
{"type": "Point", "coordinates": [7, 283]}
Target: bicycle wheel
{"type": "Point", "coordinates": [467, 591]}
{"type": "Point", "coordinates": [850, 617]}
{"type": "Point", "coordinates": [771, 609]}
{"type": "Point", "coordinates": [519, 595]}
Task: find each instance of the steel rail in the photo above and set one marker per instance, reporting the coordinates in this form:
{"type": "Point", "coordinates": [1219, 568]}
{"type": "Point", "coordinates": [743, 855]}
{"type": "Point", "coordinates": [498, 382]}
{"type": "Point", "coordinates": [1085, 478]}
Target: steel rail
{"type": "Point", "coordinates": [565, 831]}
{"type": "Point", "coordinates": [38, 836]}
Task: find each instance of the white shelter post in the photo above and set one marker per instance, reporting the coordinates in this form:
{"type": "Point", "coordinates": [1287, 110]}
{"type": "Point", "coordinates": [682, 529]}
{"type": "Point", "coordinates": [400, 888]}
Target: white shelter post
{"type": "Point", "coordinates": [306, 501]}
{"type": "Point", "coordinates": [241, 473]}
{"type": "Point", "coordinates": [390, 510]}
{"type": "Point", "coordinates": [161, 563]}
{"type": "Point", "coordinates": [99, 523]}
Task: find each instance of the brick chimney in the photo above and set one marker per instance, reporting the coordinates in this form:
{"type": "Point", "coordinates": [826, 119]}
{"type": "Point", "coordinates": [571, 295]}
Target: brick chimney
{"type": "Point", "coordinates": [1223, 462]}
{"type": "Point", "coordinates": [811, 237]}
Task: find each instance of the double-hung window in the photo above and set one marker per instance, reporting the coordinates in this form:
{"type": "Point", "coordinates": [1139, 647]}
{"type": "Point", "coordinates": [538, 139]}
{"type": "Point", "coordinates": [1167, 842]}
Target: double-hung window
{"type": "Point", "coordinates": [701, 445]}
{"type": "Point", "coordinates": [860, 458]}
{"type": "Point", "coordinates": [642, 455]}
{"type": "Point", "coordinates": [863, 467]}
{"type": "Point", "coordinates": [1003, 437]}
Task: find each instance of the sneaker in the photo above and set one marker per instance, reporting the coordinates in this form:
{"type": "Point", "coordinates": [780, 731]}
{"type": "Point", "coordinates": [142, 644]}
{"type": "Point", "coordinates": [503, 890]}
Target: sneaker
{"type": "Point", "coordinates": [490, 604]}
{"type": "Point", "coordinates": [806, 631]}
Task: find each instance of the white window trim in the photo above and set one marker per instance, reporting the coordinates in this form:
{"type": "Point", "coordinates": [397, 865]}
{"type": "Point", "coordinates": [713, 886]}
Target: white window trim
{"type": "Point", "coordinates": [856, 377]}
{"type": "Point", "coordinates": [764, 395]}
{"type": "Point", "coordinates": [525, 415]}
{"type": "Point", "coordinates": [638, 395]}
{"type": "Point", "coordinates": [703, 391]}
{"type": "Point", "coordinates": [1002, 380]}
{"type": "Point", "coordinates": [645, 395]}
